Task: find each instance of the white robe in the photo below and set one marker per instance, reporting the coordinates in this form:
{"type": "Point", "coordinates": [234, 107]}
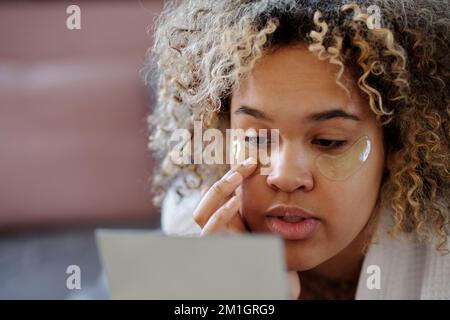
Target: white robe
{"type": "Point", "coordinates": [409, 270]}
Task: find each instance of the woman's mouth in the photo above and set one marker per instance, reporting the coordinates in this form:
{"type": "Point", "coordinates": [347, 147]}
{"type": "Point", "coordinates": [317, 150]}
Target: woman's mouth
{"type": "Point", "coordinates": [291, 223]}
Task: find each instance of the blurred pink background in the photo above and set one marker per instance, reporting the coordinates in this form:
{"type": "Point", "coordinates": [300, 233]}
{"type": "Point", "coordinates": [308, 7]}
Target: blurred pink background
{"type": "Point", "coordinates": [73, 140]}
{"type": "Point", "coordinates": [72, 113]}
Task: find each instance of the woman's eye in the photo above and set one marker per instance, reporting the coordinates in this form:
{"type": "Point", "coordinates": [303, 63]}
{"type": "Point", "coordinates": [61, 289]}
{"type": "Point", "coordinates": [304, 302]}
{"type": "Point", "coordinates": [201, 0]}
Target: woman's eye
{"type": "Point", "coordinates": [329, 144]}
{"type": "Point", "coordinates": [256, 140]}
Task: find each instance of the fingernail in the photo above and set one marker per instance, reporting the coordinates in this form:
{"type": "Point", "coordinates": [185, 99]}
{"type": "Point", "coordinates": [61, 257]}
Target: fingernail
{"type": "Point", "coordinates": [204, 190]}
{"type": "Point", "coordinates": [234, 178]}
{"type": "Point", "coordinates": [249, 162]}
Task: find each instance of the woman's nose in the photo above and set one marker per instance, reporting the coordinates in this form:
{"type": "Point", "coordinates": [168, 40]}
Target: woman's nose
{"type": "Point", "coordinates": [290, 171]}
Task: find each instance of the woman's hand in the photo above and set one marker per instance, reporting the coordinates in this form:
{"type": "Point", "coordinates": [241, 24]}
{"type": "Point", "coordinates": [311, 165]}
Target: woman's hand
{"type": "Point", "coordinates": [218, 211]}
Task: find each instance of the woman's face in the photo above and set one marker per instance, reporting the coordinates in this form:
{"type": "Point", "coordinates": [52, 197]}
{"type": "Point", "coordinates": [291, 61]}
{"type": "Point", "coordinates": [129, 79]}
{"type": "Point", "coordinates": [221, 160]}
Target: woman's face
{"type": "Point", "coordinates": [293, 91]}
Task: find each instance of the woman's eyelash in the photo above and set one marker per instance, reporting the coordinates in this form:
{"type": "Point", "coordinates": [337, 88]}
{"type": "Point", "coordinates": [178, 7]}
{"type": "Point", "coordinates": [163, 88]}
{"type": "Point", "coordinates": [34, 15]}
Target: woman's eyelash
{"type": "Point", "coordinates": [324, 143]}
{"type": "Point", "coordinates": [329, 144]}
{"type": "Point", "coordinates": [257, 140]}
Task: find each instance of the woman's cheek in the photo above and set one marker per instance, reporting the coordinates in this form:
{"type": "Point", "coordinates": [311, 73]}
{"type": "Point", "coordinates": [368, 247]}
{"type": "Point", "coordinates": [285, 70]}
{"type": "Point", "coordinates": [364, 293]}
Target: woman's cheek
{"type": "Point", "coordinates": [361, 203]}
{"type": "Point", "coordinates": [254, 200]}
{"type": "Point", "coordinates": [342, 207]}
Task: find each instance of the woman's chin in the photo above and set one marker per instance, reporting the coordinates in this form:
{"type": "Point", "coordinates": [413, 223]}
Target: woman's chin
{"type": "Point", "coordinates": [301, 257]}
{"type": "Point", "coordinates": [295, 265]}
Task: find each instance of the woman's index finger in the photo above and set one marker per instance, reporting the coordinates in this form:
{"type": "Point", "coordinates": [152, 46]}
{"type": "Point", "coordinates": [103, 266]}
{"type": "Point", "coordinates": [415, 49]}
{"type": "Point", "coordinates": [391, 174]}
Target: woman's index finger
{"type": "Point", "coordinates": [218, 193]}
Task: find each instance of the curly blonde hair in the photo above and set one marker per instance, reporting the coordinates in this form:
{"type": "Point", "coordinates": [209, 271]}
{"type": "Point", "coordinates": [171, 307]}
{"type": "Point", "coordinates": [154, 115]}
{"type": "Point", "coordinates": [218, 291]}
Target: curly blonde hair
{"type": "Point", "coordinates": [203, 48]}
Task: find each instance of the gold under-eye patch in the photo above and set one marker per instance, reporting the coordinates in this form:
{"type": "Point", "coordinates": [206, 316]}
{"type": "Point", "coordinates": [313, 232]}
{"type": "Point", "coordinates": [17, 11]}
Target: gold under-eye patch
{"type": "Point", "coordinates": [241, 150]}
{"type": "Point", "coordinates": [342, 166]}
{"type": "Point", "coordinates": [251, 146]}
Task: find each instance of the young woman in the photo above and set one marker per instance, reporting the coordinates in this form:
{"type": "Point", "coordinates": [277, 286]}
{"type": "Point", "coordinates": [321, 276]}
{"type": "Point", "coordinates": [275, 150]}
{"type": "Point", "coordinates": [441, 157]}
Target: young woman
{"type": "Point", "coordinates": [358, 186]}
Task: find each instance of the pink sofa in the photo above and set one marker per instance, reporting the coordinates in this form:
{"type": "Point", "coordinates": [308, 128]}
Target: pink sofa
{"type": "Point", "coordinates": [72, 114]}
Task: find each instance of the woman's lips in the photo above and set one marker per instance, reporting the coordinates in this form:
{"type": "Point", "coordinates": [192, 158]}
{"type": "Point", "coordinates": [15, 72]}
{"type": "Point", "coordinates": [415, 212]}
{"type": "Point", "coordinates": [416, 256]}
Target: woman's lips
{"type": "Point", "coordinates": [291, 223]}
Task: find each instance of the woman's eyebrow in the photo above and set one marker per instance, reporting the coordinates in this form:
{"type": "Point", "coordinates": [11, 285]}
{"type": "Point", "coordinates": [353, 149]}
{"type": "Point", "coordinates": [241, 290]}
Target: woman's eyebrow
{"type": "Point", "coordinates": [253, 112]}
{"type": "Point", "coordinates": [315, 117]}
{"type": "Point", "coordinates": [331, 114]}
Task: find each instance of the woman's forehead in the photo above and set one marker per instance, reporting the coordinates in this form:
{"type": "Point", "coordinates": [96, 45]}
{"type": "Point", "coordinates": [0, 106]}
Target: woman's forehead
{"type": "Point", "coordinates": [295, 82]}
